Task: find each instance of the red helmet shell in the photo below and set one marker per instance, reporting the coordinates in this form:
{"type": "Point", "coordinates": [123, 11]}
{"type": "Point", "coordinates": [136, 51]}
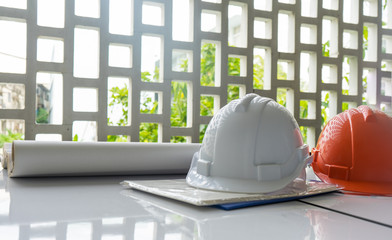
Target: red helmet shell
{"type": "Point", "coordinates": [354, 151]}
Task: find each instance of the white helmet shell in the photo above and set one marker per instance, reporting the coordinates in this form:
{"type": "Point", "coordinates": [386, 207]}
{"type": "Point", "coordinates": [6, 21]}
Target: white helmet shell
{"type": "Point", "coordinates": [252, 145]}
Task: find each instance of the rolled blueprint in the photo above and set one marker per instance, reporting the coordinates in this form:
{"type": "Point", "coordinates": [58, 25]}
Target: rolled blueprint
{"type": "Point", "coordinates": [35, 158]}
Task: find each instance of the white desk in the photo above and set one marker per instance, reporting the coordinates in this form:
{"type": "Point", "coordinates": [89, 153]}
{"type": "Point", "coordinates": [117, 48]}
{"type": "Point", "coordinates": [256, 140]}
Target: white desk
{"type": "Point", "coordinates": [100, 208]}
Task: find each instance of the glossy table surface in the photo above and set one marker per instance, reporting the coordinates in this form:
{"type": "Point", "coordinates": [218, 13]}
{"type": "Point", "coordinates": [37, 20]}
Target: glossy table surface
{"type": "Point", "coordinates": [100, 208]}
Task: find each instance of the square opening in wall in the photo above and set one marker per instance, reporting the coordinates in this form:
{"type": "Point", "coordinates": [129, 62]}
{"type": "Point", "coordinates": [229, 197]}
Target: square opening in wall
{"type": "Point", "coordinates": [180, 139]}
{"type": "Point", "coordinates": [50, 49]}
{"type": "Point", "coordinates": [349, 75]}
{"type": "Point", "coordinates": [387, 14]}
{"type": "Point", "coordinates": [386, 107]}
{"type": "Point", "coordinates": [386, 65]}
{"type": "Point", "coordinates": [309, 8]}
{"type": "Point", "coordinates": [350, 39]}
{"type": "Point", "coordinates": [370, 8]}
{"type": "Point", "coordinates": [212, 1]}
{"type": "Point", "coordinates": [210, 64]}
{"type": "Point", "coordinates": [20, 4]}
{"type": "Point", "coordinates": [235, 91]}
{"type": "Point", "coordinates": [329, 73]}
{"type": "Point", "coordinates": [118, 138]}
{"type": "Point", "coordinates": [262, 68]}
{"type": "Point", "coordinates": [308, 136]}
{"type": "Point", "coordinates": [85, 99]}
{"type": "Point", "coordinates": [152, 59]}
{"type": "Point", "coordinates": [182, 60]}
{"type": "Point", "coordinates": [370, 42]}
{"type": "Point", "coordinates": [12, 129]}
{"type": "Point", "coordinates": [386, 87]}
{"type": "Point", "coordinates": [331, 4]}
{"type": "Point", "coordinates": [238, 24]}
{"type": "Point", "coordinates": [350, 11]}
{"type": "Point", "coordinates": [287, 1]}
{"type": "Point", "coordinates": [13, 45]}
{"type": "Point", "coordinates": [286, 32]}
{"type": "Point", "coordinates": [49, 98]}
{"type": "Point", "coordinates": [120, 55]}
{"type": "Point", "coordinates": [262, 28]}
{"type": "Point", "coordinates": [264, 5]}
{"type": "Point", "coordinates": [328, 106]}
{"type": "Point", "coordinates": [236, 65]}
{"type": "Point", "coordinates": [12, 96]}
{"type": "Point", "coordinates": [308, 34]}
{"type": "Point", "coordinates": [308, 71]}
{"type": "Point", "coordinates": [121, 17]}
{"type": "Point", "coordinates": [48, 137]}
{"type": "Point", "coordinates": [118, 109]}
{"type": "Point", "coordinates": [211, 21]}
{"type": "Point", "coordinates": [369, 88]}
{"type": "Point", "coordinates": [183, 19]}
{"type": "Point", "coordinates": [307, 109]}
{"type": "Point", "coordinates": [181, 104]}
{"type": "Point", "coordinates": [285, 97]}
{"type": "Point", "coordinates": [84, 131]}
{"type": "Point", "coordinates": [150, 102]}
{"type": "Point", "coordinates": [209, 104]}
{"type": "Point", "coordinates": [330, 33]}
{"type": "Point", "coordinates": [285, 70]}
{"type": "Point", "coordinates": [87, 8]}
{"type": "Point", "coordinates": [348, 105]}
{"type": "Point", "coordinates": [150, 132]}
{"type": "Point", "coordinates": [387, 44]}
{"type": "Point", "coordinates": [153, 14]}
{"type": "Point", "coordinates": [50, 13]}
{"type": "Point", "coordinates": [86, 52]}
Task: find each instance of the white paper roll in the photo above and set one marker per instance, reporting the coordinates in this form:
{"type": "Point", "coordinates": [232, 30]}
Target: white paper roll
{"type": "Point", "coordinates": [6, 154]}
{"type": "Point", "coordinates": [35, 158]}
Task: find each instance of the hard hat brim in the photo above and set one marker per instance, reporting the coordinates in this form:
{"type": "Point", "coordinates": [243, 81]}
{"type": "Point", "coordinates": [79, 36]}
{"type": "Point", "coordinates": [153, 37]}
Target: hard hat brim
{"type": "Point", "coordinates": [363, 188]}
{"type": "Point", "coordinates": [240, 185]}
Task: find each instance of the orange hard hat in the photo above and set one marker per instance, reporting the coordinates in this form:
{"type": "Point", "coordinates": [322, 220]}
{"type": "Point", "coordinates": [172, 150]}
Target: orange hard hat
{"type": "Point", "coordinates": [354, 151]}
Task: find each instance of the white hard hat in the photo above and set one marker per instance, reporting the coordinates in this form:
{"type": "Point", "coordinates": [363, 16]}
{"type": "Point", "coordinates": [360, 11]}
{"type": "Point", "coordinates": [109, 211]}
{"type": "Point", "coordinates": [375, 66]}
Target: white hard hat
{"type": "Point", "coordinates": [252, 145]}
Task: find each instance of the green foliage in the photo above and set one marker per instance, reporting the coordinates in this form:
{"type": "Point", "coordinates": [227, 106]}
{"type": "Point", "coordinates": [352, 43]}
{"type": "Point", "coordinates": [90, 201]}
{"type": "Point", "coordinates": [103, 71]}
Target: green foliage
{"type": "Point", "coordinates": [148, 132]}
{"type": "Point", "coordinates": [119, 96]}
{"type": "Point", "coordinates": [281, 96]}
{"type": "Point", "coordinates": [233, 92]}
{"type": "Point", "coordinates": [42, 115]}
{"type": "Point", "coordinates": [149, 106]}
{"type": "Point", "coordinates": [303, 109]}
{"type": "Point", "coordinates": [9, 137]}
{"type": "Point", "coordinates": [281, 73]}
{"type": "Point", "coordinates": [117, 138]}
{"type": "Point", "coordinates": [324, 110]}
{"type": "Point", "coordinates": [326, 49]}
{"type": "Point", "coordinates": [258, 72]}
{"type": "Point", "coordinates": [202, 132]}
{"type": "Point", "coordinates": [179, 93]}
{"type": "Point", "coordinates": [364, 87]}
{"type": "Point", "coordinates": [304, 133]}
{"type": "Point", "coordinates": [184, 65]}
{"type": "Point", "coordinates": [207, 64]}
{"type": "Point", "coordinates": [206, 106]}
{"type": "Point", "coordinates": [325, 101]}
{"type": "Point", "coordinates": [345, 106]}
{"type": "Point", "coordinates": [178, 139]}
{"type": "Point", "coordinates": [365, 41]}
{"type": "Point", "coordinates": [234, 66]}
